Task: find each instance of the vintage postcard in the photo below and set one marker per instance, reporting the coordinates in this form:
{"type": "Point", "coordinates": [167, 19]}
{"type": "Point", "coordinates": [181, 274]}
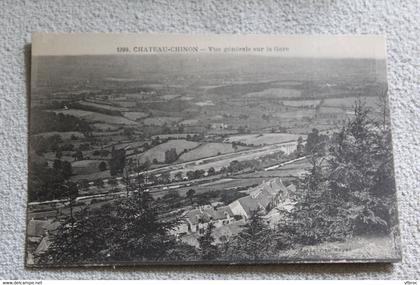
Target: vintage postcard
{"type": "Point", "coordinates": [209, 149]}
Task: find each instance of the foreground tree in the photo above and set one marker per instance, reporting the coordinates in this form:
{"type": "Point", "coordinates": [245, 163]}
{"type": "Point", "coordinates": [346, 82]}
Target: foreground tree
{"type": "Point", "coordinates": [361, 171]}
{"type": "Point", "coordinates": [348, 191]}
{"type": "Point", "coordinates": [254, 241]}
{"type": "Point", "coordinates": [144, 235]}
{"type": "Point", "coordinates": [129, 229]}
{"type": "Point", "coordinates": [208, 249]}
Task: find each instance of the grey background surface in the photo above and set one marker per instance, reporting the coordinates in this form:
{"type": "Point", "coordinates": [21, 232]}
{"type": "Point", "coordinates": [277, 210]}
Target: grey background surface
{"type": "Point", "coordinates": [398, 20]}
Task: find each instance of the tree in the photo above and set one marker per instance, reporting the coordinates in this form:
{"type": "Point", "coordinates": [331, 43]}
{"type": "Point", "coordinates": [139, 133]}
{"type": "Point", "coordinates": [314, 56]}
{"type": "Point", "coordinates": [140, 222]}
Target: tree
{"type": "Point", "coordinates": [129, 132]}
{"type": "Point", "coordinates": [361, 166]}
{"type": "Point", "coordinates": [190, 175]}
{"type": "Point", "coordinates": [155, 141]}
{"type": "Point", "coordinates": [77, 239]}
{"type": "Point", "coordinates": [117, 161]}
{"type": "Point", "coordinates": [58, 154]}
{"type": "Point", "coordinates": [235, 146]}
{"type": "Point", "coordinates": [300, 147]}
{"type": "Point", "coordinates": [112, 182]}
{"type": "Point", "coordinates": [316, 143]}
{"type": "Point", "coordinates": [199, 173]}
{"type": "Point", "coordinates": [165, 178]}
{"type": "Point", "coordinates": [211, 171]}
{"type": "Point", "coordinates": [190, 195]}
{"type": "Point", "coordinates": [241, 130]}
{"type": "Point", "coordinates": [254, 241]}
{"type": "Point", "coordinates": [207, 248]}
{"type": "Point", "coordinates": [84, 184]}
{"type": "Point", "coordinates": [178, 175]}
{"type": "Point", "coordinates": [171, 155]}
{"type": "Point", "coordinates": [78, 155]}
{"type": "Point", "coordinates": [145, 165]}
{"type": "Point", "coordinates": [102, 166]}
{"type": "Point", "coordinates": [44, 183]}
{"type": "Point", "coordinates": [66, 169]}
{"type": "Point", "coordinates": [99, 183]}
{"type": "Point", "coordinates": [146, 236]}
{"type": "Point", "coordinates": [124, 230]}
{"type": "Point", "coordinates": [57, 123]}
{"type": "Point", "coordinates": [350, 190]}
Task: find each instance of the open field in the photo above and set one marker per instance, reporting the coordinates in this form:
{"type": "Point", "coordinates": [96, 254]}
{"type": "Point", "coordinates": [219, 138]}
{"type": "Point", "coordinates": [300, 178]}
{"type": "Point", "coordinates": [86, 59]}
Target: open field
{"type": "Point", "coordinates": [91, 176]}
{"type": "Point", "coordinates": [293, 169]}
{"type": "Point", "coordinates": [102, 106]}
{"type": "Point", "coordinates": [63, 135]}
{"type": "Point", "coordinates": [301, 103]}
{"type": "Point", "coordinates": [223, 160]}
{"type": "Point", "coordinates": [134, 116]}
{"type": "Point", "coordinates": [189, 122]}
{"type": "Point", "coordinates": [208, 150]}
{"type": "Point", "coordinates": [169, 96]}
{"type": "Point", "coordinates": [225, 184]}
{"type": "Point", "coordinates": [51, 156]}
{"type": "Point", "coordinates": [348, 102]}
{"type": "Point", "coordinates": [158, 152]}
{"type": "Point", "coordinates": [125, 104]}
{"type": "Point", "coordinates": [172, 136]}
{"type": "Point", "coordinates": [95, 117]}
{"type": "Point", "coordinates": [294, 115]}
{"type": "Point", "coordinates": [160, 121]}
{"type": "Point", "coordinates": [85, 166]}
{"type": "Point", "coordinates": [263, 139]}
{"type": "Point", "coordinates": [276, 93]}
{"type": "Point", "coordinates": [129, 145]}
{"type": "Point", "coordinates": [105, 127]}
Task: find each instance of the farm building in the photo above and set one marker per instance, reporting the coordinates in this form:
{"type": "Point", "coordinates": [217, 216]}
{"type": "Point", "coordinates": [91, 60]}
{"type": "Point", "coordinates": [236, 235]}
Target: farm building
{"type": "Point", "coordinates": [263, 197]}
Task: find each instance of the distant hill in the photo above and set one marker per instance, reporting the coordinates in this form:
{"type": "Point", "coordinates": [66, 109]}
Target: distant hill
{"type": "Point", "coordinates": [102, 71]}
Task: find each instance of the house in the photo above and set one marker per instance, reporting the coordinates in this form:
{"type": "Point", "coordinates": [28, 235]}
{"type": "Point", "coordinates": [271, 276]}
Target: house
{"type": "Point", "coordinates": [38, 237]}
{"type": "Point", "coordinates": [219, 126]}
{"type": "Point", "coordinates": [36, 229]}
{"type": "Point", "coordinates": [275, 215]}
{"type": "Point", "coordinates": [197, 220]}
{"type": "Point", "coordinates": [263, 197]}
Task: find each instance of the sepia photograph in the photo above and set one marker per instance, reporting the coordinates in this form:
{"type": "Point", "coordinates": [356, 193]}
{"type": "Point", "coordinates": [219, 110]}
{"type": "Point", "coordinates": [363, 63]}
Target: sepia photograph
{"type": "Point", "coordinates": [209, 149]}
